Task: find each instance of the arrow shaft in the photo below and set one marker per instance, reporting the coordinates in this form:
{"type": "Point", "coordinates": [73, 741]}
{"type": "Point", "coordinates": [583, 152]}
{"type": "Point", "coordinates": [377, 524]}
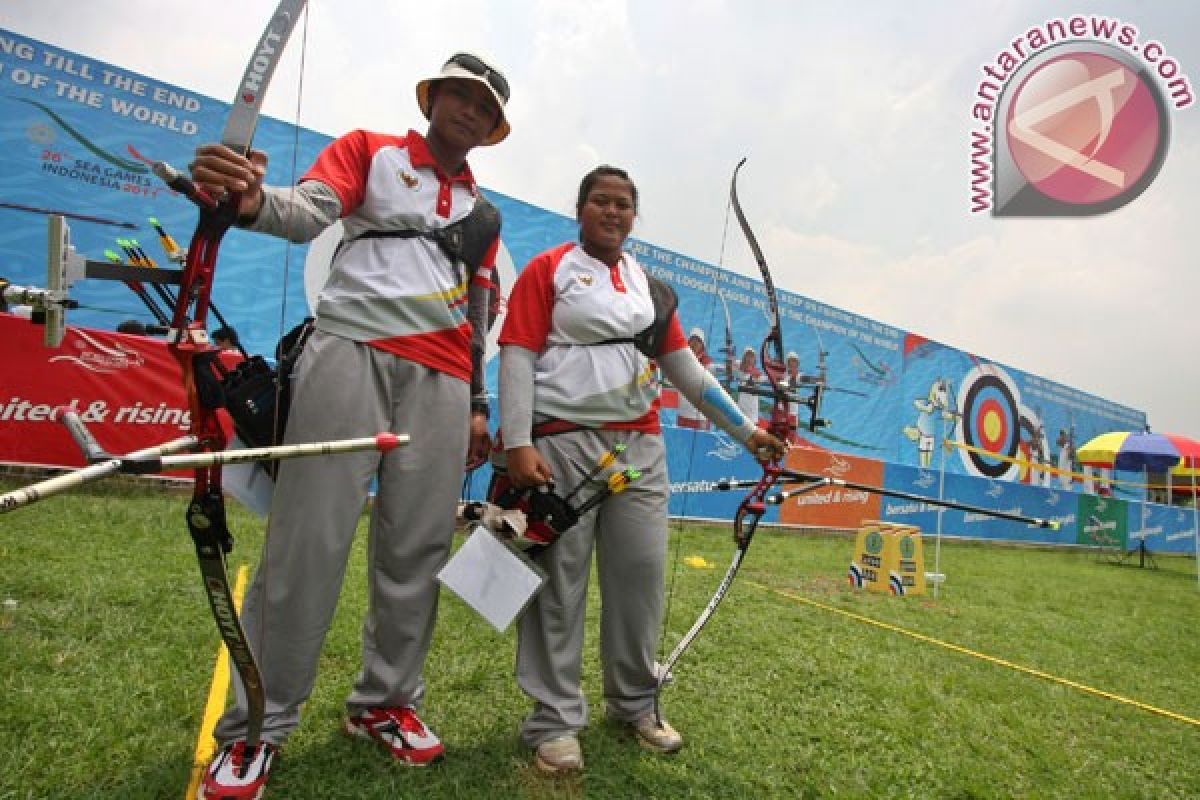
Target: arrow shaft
{"type": "Point", "coordinates": [61, 483]}
{"type": "Point", "coordinates": [791, 475]}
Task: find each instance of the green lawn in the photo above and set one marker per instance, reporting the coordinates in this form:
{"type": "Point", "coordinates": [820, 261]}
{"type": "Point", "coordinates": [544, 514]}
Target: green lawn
{"type": "Point", "coordinates": [107, 650]}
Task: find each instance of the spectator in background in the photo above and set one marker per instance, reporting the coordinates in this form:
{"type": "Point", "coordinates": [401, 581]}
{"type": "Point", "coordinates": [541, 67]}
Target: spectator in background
{"type": "Point", "coordinates": [226, 338]}
{"type": "Point", "coordinates": [133, 327]}
{"type": "Point", "coordinates": [793, 379]}
{"type": "Point", "coordinates": [748, 374]}
{"type": "Point", "coordinates": [688, 416]}
{"type": "Point", "coordinates": [699, 346]}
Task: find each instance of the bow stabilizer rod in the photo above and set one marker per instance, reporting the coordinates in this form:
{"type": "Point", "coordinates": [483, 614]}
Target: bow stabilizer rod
{"type": "Point", "coordinates": [806, 477]}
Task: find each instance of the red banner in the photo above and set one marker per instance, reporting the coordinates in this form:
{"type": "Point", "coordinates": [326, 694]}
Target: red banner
{"type": "Point", "coordinates": [126, 388]}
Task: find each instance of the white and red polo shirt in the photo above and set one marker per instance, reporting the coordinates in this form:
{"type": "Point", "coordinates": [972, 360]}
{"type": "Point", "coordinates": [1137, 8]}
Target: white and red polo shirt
{"type": "Point", "coordinates": [401, 295]}
{"type": "Point", "coordinates": [564, 305]}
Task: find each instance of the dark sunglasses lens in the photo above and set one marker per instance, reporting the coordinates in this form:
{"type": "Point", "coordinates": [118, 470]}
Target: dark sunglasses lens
{"type": "Point", "coordinates": [473, 65]}
{"type": "Point", "coordinates": [470, 63]}
{"type": "Point", "coordinates": [499, 84]}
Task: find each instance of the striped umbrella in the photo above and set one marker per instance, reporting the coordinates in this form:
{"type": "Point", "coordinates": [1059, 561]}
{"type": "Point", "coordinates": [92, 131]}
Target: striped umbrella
{"type": "Point", "coordinates": [1133, 452]}
{"type": "Point", "coordinates": [1185, 477]}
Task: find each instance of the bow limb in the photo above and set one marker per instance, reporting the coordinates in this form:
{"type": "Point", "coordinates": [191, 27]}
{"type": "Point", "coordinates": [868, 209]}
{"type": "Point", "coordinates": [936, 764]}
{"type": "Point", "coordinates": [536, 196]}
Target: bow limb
{"type": "Point", "coordinates": [771, 354]}
{"type": "Point", "coordinates": [188, 343]}
{"type": "Point", "coordinates": [753, 506]}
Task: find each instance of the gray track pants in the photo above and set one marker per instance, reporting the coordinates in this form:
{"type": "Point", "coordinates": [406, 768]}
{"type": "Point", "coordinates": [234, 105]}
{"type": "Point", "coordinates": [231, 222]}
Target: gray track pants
{"type": "Point", "coordinates": [629, 534]}
{"type": "Point", "coordinates": [345, 389]}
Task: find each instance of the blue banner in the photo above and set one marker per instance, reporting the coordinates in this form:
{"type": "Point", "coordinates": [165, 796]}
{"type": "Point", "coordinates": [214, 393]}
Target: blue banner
{"type": "Point", "coordinates": [1163, 528]}
{"type": "Point", "coordinates": [1014, 498]}
{"type": "Point", "coordinates": [696, 460]}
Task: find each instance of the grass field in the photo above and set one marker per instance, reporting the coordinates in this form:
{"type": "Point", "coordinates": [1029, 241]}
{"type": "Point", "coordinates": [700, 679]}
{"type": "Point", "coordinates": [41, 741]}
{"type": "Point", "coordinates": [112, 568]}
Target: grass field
{"type": "Point", "coordinates": [795, 689]}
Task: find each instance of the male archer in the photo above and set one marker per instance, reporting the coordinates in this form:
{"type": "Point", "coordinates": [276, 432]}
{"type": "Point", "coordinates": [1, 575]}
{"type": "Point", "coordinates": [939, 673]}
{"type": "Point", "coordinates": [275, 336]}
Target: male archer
{"type": "Point", "coordinates": [397, 345]}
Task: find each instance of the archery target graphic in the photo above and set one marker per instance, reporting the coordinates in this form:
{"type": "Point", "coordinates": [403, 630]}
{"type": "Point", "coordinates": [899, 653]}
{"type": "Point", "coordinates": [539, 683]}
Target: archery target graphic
{"type": "Point", "coordinates": [989, 407]}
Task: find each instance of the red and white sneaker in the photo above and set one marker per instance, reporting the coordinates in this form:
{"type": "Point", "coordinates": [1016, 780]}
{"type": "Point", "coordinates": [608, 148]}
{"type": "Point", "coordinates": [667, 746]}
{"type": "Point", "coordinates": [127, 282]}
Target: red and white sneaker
{"type": "Point", "coordinates": [233, 776]}
{"type": "Point", "coordinates": [401, 731]}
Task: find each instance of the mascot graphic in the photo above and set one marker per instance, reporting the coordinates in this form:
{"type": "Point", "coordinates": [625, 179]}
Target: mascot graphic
{"type": "Point", "coordinates": [938, 403]}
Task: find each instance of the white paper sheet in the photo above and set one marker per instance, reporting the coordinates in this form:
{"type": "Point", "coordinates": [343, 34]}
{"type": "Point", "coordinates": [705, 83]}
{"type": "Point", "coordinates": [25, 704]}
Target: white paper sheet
{"type": "Point", "coordinates": [491, 579]}
{"type": "Point", "coordinates": [248, 483]}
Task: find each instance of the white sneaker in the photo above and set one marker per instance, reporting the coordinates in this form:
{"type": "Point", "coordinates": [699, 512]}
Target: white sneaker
{"type": "Point", "coordinates": [235, 774]}
{"type": "Point", "coordinates": [561, 754]}
{"type": "Point", "coordinates": [659, 738]}
{"type": "Point", "coordinates": [401, 731]}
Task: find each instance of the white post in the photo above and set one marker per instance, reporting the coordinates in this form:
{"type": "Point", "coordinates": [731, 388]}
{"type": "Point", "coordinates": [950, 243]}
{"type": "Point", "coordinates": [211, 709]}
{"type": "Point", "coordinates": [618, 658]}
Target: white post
{"type": "Point", "coordinates": [937, 542]}
{"type": "Point", "coordinates": [1196, 520]}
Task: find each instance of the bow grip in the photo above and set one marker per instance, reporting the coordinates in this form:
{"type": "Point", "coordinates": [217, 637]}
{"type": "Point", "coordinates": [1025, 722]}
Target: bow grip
{"type": "Point", "coordinates": [207, 525]}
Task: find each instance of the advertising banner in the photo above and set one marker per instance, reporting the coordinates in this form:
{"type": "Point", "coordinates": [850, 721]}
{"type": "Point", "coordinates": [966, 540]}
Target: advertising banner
{"type": "Point", "coordinates": [833, 507]}
{"type": "Point", "coordinates": [126, 389]}
{"type": "Point", "coordinates": [1103, 522]}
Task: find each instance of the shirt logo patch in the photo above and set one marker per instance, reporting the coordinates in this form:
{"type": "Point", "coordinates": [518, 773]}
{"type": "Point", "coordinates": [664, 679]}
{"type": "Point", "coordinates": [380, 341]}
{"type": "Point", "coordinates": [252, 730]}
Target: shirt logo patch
{"type": "Point", "coordinates": [408, 179]}
{"type": "Point", "coordinates": [585, 279]}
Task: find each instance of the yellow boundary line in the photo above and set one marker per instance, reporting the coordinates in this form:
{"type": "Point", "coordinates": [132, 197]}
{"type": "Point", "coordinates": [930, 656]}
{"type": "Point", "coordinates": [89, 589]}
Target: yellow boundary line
{"type": "Point", "coordinates": [206, 745]}
{"type": "Point", "coordinates": [1162, 712]}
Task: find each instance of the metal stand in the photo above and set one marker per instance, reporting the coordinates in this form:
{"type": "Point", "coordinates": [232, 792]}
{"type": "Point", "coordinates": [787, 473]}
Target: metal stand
{"type": "Point", "coordinates": [1143, 554]}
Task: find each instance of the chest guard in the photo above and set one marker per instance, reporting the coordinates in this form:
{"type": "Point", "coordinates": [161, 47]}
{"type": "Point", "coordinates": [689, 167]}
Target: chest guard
{"type": "Point", "coordinates": [465, 242]}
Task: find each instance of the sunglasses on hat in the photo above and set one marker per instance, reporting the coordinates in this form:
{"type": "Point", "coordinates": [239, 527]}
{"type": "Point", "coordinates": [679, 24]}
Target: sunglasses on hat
{"type": "Point", "coordinates": [478, 67]}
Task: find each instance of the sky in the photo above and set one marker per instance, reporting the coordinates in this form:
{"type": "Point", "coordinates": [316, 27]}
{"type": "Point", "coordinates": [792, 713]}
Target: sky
{"type": "Point", "coordinates": [855, 120]}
